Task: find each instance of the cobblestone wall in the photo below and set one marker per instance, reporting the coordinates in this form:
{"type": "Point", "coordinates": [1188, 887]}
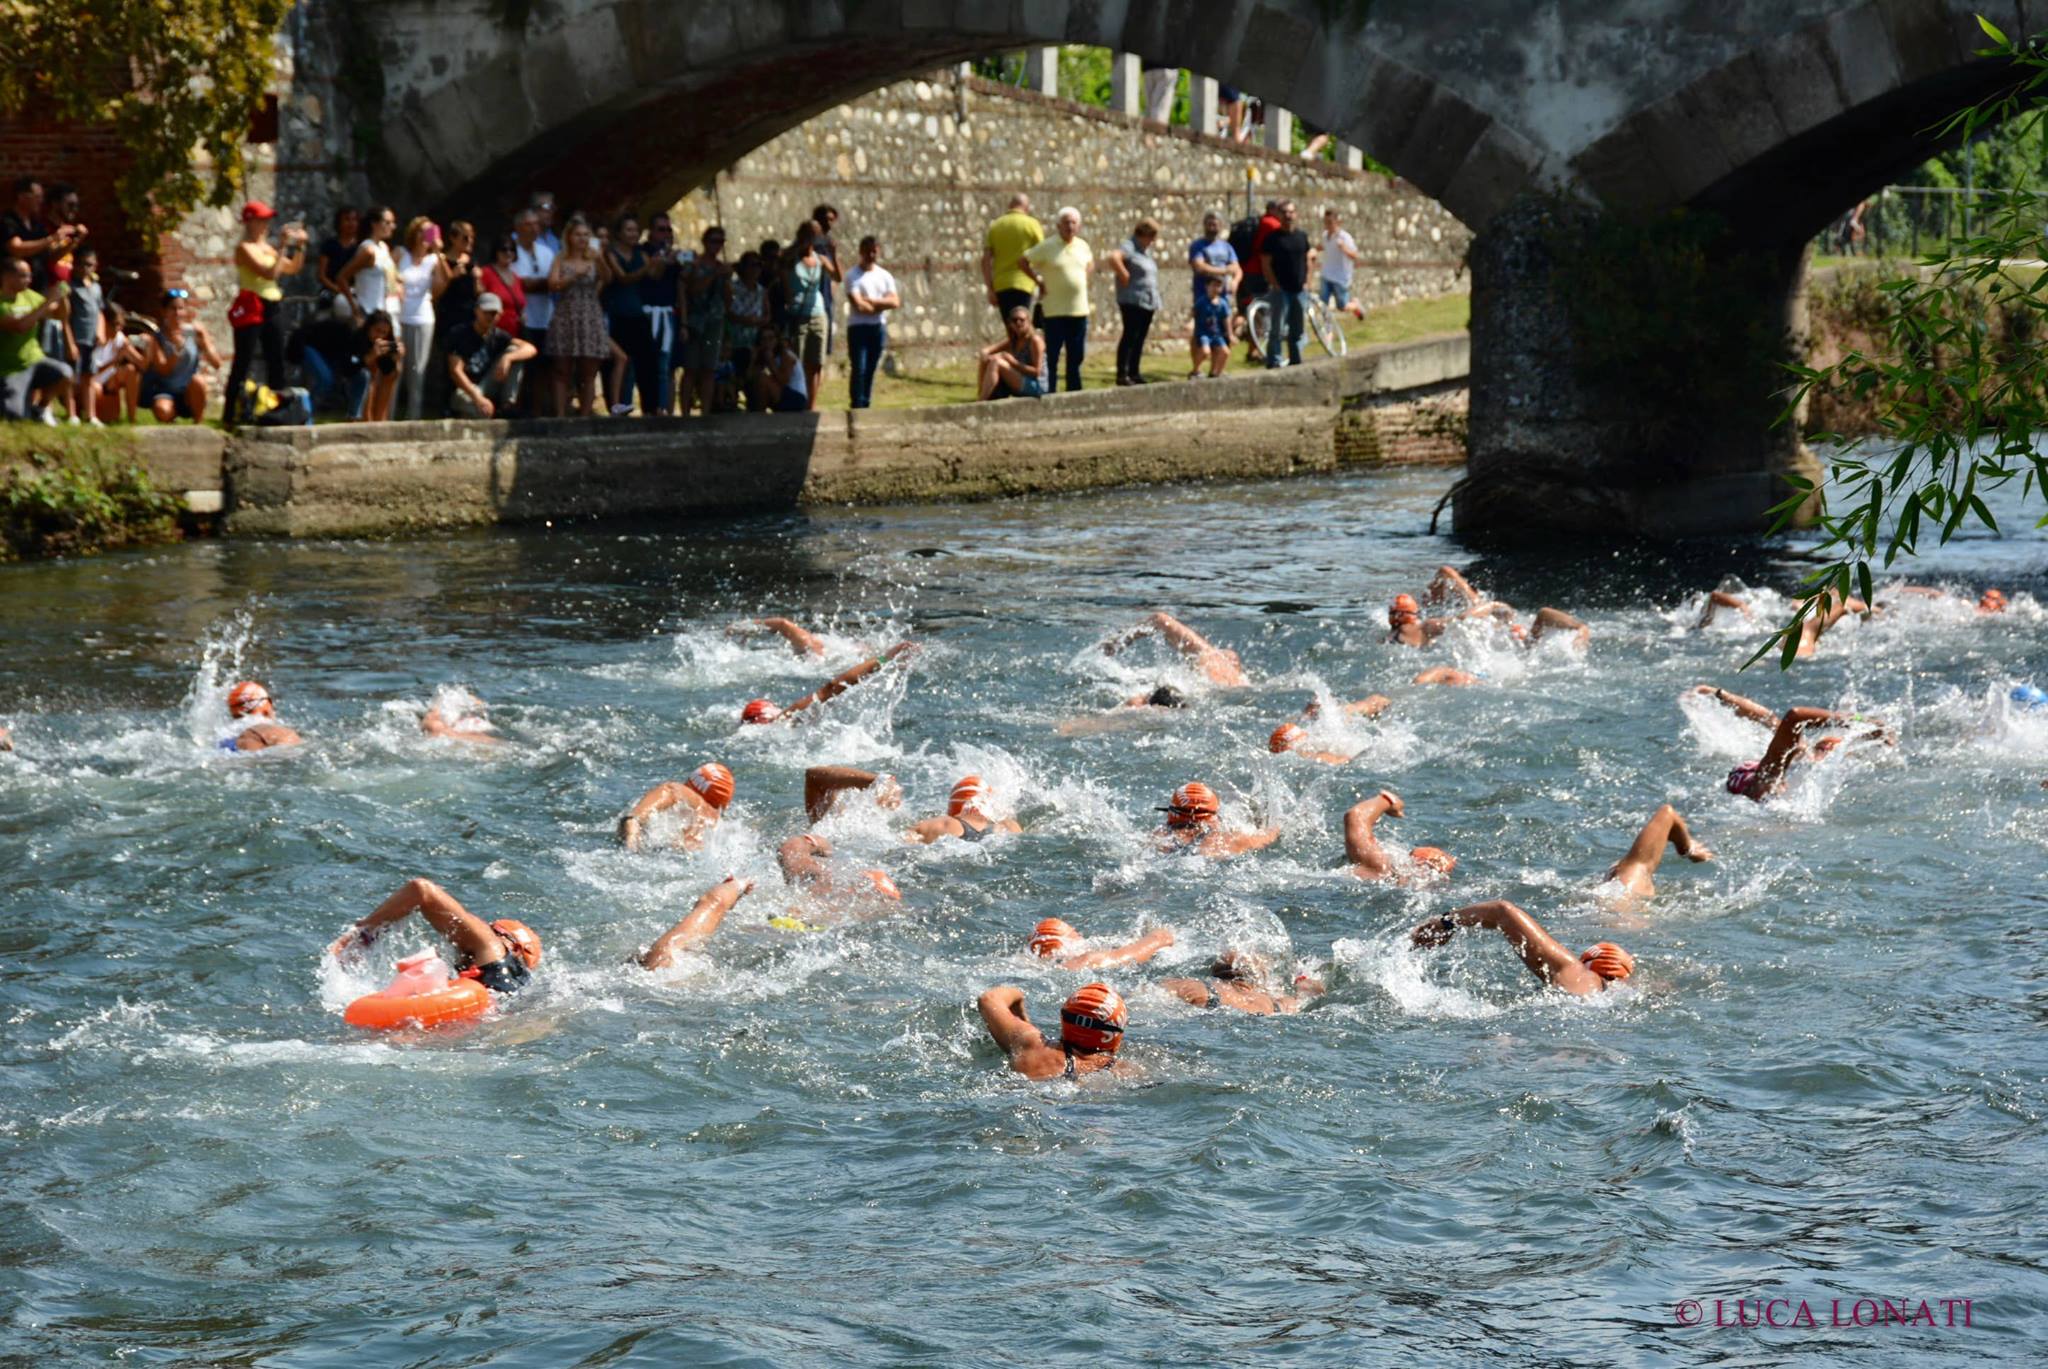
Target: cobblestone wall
{"type": "Point", "coordinates": [925, 164]}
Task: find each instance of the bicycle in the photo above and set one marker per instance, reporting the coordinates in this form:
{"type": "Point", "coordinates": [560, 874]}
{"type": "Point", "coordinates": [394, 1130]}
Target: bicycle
{"type": "Point", "coordinates": [1325, 323]}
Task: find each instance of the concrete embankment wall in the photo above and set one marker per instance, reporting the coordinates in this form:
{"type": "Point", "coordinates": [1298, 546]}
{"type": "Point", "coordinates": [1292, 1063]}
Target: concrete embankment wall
{"type": "Point", "coordinates": [926, 164]}
{"type": "Point", "coordinates": [1401, 403]}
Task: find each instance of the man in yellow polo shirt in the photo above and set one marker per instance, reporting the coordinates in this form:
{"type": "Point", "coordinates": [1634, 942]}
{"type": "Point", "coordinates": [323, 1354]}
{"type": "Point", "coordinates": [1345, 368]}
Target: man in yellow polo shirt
{"type": "Point", "coordinates": [1002, 258]}
{"type": "Point", "coordinates": [1060, 266]}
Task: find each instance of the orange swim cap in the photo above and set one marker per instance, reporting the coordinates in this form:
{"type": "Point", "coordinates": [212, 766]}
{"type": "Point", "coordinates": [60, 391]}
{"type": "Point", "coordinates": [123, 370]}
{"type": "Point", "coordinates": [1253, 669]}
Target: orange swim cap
{"type": "Point", "coordinates": [759, 711]}
{"type": "Point", "coordinates": [1992, 602]}
{"type": "Point", "coordinates": [1051, 936]}
{"type": "Point", "coordinates": [965, 793]}
{"type": "Point", "coordinates": [1404, 606]}
{"type": "Point", "coordinates": [249, 697]}
{"type": "Point", "coordinates": [1608, 961]}
{"type": "Point", "coordinates": [1284, 737]}
{"type": "Point", "coordinates": [525, 941]}
{"type": "Point", "coordinates": [1437, 859]}
{"type": "Point", "coordinates": [1093, 1019]}
{"type": "Point", "coordinates": [714, 782]}
{"type": "Point", "coordinates": [1193, 804]}
{"type": "Point", "coordinates": [885, 886]}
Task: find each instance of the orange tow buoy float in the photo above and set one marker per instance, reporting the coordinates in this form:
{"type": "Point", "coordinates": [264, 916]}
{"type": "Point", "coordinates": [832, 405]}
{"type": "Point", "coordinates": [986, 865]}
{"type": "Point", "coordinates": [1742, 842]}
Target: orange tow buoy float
{"type": "Point", "coordinates": [425, 994]}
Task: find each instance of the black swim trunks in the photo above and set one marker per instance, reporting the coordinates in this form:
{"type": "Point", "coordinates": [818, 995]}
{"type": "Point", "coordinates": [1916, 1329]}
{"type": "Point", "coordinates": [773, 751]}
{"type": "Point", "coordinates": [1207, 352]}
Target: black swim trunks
{"type": "Point", "coordinates": [508, 975]}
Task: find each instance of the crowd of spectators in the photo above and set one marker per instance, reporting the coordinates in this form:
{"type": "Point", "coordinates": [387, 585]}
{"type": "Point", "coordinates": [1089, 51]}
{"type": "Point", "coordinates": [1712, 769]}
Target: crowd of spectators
{"type": "Point", "coordinates": [1038, 285]}
{"type": "Point", "coordinates": [570, 318]}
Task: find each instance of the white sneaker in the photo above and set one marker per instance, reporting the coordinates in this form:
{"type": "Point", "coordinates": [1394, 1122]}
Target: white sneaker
{"type": "Point", "coordinates": [621, 410]}
{"type": "Point", "coordinates": [49, 417]}
{"type": "Point", "coordinates": [73, 420]}
{"type": "Point", "coordinates": [94, 422]}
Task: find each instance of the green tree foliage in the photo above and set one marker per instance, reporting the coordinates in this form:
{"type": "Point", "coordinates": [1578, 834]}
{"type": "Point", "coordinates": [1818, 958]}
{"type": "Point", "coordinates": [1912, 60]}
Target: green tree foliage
{"type": "Point", "coordinates": [1957, 410]}
{"type": "Point", "coordinates": [173, 78]}
{"type": "Point", "coordinates": [70, 493]}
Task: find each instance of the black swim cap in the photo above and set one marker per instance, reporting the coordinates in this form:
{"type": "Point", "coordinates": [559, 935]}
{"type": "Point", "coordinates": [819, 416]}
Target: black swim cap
{"type": "Point", "coordinates": [1166, 696]}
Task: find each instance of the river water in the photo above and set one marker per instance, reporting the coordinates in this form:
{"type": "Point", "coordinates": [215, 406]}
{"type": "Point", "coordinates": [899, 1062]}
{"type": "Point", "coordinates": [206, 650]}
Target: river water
{"type": "Point", "coordinates": [1825, 1081]}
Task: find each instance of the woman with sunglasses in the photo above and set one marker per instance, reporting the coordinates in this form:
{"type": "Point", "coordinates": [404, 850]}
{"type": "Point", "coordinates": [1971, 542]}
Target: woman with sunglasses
{"type": "Point", "coordinates": [171, 384]}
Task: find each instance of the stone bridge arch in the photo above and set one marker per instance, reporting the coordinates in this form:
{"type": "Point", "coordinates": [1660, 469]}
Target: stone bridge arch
{"type": "Point", "coordinates": [1776, 114]}
{"type": "Point", "coordinates": [616, 102]}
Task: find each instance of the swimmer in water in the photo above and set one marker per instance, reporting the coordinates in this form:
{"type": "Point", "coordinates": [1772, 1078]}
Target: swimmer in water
{"type": "Point", "coordinates": [501, 955]}
{"type": "Point", "coordinates": [471, 724]}
{"type": "Point", "coordinates": [702, 797]}
{"type": "Point", "coordinates": [760, 711]}
{"type": "Point", "coordinates": [1244, 981]}
{"type": "Point", "coordinates": [1165, 696]}
{"type": "Point", "coordinates": [1448, 581]}
{"type": "Point", "coordinates": [1759, 779]}
{"type": "Point", "coordinates": [1091, 1029]}
{"type": "Point", "coordinates": [1812, 628]}
{"type": "Point", "coordinates": [1292, 737]}
{"type": "Point", "coordinates": [1371, 706]}
{"type": "Point", "coordinates": [966, 817]}
{"type": "Point", "coordinates": [803, 643]}
{"type": "Point", "coordinates": [1665, 828]}
{"type": "Point", "coordinates": [1407, 627]}
{"type": "Point", "coordinates": [823, 784]}
{"type": "Point", "coordinates": [1056, 940]}
{"type": "Point", "coordinates": [6, 740]}
{"type": "Point", "coordinates": [1446, 675]}
{"type": "Point", "coordinates": [1194, 825]}
{"type": "Point", "coordinates": [1589, 972]}
{"type": "Point", "coordinates": [1991, 601]}
{"type": "Point", "coordinates": [1221, 666]}
{"type": "Point", "coordinates": [1369, 860]}
{"type": "Point", "coordinates": [249, 700]}
{"type": "Point", "coordinates": [697, 925]}
{"type": "Point", "coordinates": [803, 868]}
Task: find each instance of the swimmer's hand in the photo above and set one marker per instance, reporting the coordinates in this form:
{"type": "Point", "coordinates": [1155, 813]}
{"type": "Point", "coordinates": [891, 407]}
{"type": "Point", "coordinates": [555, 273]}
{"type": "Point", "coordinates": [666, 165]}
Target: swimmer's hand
{"type": "Point", "coordinates": [1393, 802]}
{"type": "Point", "coordinates": [746, 885]}
{"type": "Point", "coordinates": [1436, 932]}
{"type": "Point", "coordinates": [351, 944]}
{"type": "Point", "coordinates": [1697, 854]}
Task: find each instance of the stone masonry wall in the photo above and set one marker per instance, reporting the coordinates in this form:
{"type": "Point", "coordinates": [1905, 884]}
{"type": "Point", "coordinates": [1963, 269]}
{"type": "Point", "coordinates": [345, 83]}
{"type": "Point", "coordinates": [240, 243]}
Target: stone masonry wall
{"type": "Point", "coordinates": [926, 164]}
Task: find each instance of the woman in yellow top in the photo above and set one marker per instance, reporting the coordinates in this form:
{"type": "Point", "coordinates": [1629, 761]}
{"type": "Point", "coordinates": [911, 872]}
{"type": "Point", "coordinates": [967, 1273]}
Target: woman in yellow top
{"type": "Point", "coordinates": [258, 312]}
{"type": "Point", "coordinates": [1060, 266]}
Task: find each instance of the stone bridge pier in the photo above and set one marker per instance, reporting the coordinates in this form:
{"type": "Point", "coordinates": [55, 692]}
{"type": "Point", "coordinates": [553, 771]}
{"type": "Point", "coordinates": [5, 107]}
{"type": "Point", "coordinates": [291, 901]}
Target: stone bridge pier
{"type": "Point", "coordinates": [1765, 118]}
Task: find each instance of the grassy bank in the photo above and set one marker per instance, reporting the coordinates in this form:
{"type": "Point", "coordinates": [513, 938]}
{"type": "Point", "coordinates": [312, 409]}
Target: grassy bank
{"type": "Point", "coordinates": [954, 384]}
{"type": "Point", "coordinates": [76, 491]}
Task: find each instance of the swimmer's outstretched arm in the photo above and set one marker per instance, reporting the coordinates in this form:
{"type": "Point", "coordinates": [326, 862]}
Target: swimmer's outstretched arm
{"type": "Point", "coordinates": [847, 679]}
{"type": "Point", "coordinates": [662, 797]}
{"type": "Point", "coordinates": [1131, 953]}
{"type": "Point", "coordinates": [1444, 675]}
{"type": "Point", "coordinates": [1716, 601]}
{"type": "Point", "coordinates": [1446, 581]}
{"type": "Point", "coordinates": [1237, 843]}
{"type": "Point", "coordinates": [1219, 664]}
{"type": "Point", "coordinates": [1665, 827]}
{"type": "Point", "coordinates": [802, 642]}
{"type": "Point", "coordinates": [6, 740]}
{"type": "Point", "coordinates": [471, 934]}
{"type": "Point", "coordinates": [698, 924]}
{"type": "Point", "coordinates": [1371, 706]}
{"type": "Point", "coordinates": [1748, 709]}
{"type": "Point", "coordinates": [434, 725]}
{"type": "Point", "coordinates": [1540, 951]}
{"type": "Point", "coordinates": [1787, 744]}
{"type": "Point", "coordinates": [823, 783]}
{"type": "Point", "coordinates": [800, 860]}
{"type": "Point", "coordinates": [1361, 846]}
{"type": "Point", "coordinates": [1557, 620]}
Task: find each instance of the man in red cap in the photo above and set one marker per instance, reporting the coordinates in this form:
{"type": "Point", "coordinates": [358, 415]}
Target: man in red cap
{"type": "Point", "coordinates": [702, 797]}
{"type": "Point", "coordinates": [762, 711]}
{"type": "Point", "coordinates": [1194, 825]}
{"type": "Point", "coordinates": [251, 700]}
{"type": "Point", "coordinates": [966, 816]}
{"type": "Point", "coordinates": [501, 955]}
{"type": "Point", "coordinates": [1091, 1030]}
{"type": "Point", "coordinates": [1057, 940]}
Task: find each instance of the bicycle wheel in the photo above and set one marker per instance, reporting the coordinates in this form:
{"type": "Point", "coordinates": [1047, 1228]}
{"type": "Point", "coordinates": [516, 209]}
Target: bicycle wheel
{"type": "Point", "coordinates": [1257, 315]}
{"type": "Point", "coordinates": [1328, 326]}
